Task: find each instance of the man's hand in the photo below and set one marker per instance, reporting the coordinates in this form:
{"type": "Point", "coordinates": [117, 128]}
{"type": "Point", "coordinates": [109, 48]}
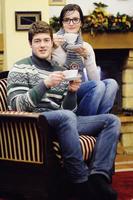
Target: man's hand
{"type": "Point", "coordinates": [74, 85]}
{"type": "Point", "coordinates": [54, 79]}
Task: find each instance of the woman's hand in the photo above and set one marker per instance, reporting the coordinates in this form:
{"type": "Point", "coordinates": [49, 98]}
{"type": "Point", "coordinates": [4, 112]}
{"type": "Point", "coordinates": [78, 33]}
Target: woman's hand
{"type": "Point", "coordinates": [58, 40]}
{"type": "Point", "coordinates": [54, 79]}
{"type": "Point", "coordinates": [82, 51]}
{"type": "Point", "coordinates": [74, 85]}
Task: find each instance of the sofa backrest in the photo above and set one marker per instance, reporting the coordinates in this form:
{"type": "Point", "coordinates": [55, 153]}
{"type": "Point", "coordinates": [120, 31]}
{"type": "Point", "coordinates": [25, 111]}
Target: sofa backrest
{"type": "Point", "coordinates": [3, 94]}
{"type": "Point", "coordinates": [20, 133]}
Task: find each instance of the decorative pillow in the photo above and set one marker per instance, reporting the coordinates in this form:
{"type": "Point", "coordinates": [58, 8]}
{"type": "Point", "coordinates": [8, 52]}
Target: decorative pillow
{"type": "Point", "coordinates": [87, 146]}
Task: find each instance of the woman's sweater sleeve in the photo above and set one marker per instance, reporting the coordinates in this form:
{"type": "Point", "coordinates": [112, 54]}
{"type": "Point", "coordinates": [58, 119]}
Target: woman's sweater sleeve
{"type": "Point", "coordinates": [90, 63]}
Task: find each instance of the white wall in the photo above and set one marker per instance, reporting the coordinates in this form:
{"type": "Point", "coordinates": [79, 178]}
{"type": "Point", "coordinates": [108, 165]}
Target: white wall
{"type": "Point", "coordinates": [16, 42]}
{"type": "Point", "coordinates": [114, 6]}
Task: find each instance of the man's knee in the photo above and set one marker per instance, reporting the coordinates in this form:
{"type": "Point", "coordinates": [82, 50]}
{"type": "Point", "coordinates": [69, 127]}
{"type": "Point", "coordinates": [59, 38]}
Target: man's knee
{"type": "Point", "coordinates": [67, 115]}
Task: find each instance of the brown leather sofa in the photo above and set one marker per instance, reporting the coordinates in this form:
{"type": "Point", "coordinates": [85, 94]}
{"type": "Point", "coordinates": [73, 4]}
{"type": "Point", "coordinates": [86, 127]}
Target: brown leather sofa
{"type": "Point", "coordinates": [31, 164]}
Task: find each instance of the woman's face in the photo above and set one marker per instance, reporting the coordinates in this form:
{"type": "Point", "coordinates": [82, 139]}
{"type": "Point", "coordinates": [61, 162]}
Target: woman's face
{"type": "Point", "coordinates": [72, 22]}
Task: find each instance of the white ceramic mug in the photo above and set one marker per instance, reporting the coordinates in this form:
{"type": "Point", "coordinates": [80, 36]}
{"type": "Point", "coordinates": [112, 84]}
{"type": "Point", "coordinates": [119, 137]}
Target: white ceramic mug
{"type": "Point", "coordinates": [70, 37]}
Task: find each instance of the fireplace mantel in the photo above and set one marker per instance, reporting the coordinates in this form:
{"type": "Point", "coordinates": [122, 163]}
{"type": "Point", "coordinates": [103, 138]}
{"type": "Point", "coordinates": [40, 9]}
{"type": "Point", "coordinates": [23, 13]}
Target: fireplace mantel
{"type": "Point", "coordinates": [110, 40]}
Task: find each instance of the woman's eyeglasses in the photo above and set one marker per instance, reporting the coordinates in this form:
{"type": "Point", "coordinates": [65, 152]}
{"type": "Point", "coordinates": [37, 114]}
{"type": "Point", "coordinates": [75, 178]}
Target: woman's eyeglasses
{"type": "Point", "coordinates": [74, 20]}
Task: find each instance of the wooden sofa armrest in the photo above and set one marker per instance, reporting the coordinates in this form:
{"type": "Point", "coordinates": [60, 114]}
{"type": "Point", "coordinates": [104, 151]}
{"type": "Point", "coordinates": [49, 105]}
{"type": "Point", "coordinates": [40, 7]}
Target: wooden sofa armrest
{"type": "Point", "coordinates": [23, 137]}
{"type": "Point", "coordinates": [25, 115]}
{"type": "Point", "coordinates": [24, 155]}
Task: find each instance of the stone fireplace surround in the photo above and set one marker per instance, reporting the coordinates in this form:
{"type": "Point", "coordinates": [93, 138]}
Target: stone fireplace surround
{"type": "Point", "coordinates": [114, 54]}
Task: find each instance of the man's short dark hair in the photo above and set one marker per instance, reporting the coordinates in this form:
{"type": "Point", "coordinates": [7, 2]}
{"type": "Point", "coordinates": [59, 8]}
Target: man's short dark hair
{"type": "Point", "coordinates": [39, 27]}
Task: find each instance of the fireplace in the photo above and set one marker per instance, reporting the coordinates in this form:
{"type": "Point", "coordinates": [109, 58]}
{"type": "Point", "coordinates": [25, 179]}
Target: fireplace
{"type": "Point", "coordinates": [112, 62]}
{"type": "Point", "coordinates": [114, 54]}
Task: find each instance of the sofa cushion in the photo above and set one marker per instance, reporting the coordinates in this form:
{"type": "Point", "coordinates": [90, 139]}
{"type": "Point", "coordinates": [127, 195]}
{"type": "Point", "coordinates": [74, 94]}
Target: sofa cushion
{"type": "Point", "coordinates": [87, 146]}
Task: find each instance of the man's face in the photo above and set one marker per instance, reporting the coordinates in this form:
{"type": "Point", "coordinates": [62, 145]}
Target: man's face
{"type": "Point", "coordinates": [42, 45]}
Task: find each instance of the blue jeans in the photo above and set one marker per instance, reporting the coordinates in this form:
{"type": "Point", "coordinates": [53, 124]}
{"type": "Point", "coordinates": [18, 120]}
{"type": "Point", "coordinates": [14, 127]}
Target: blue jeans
{"type": "Point", "coordinates": [67, 127]}
{"type": "Point", "coordinates": [96, 97]}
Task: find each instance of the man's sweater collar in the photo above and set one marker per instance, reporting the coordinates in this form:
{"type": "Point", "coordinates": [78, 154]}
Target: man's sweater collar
{"type": "Point", "coordinates": [41, 63]}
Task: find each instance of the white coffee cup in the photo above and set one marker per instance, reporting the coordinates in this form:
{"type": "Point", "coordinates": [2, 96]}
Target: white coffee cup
{"type": "Point", "coordinates": [70, 37]}
{"type": "Point", "coordinates": [71, 74]}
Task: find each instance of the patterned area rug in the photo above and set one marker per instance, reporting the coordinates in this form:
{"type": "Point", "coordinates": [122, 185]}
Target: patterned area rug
{"type": "Point", "coordinates": [123, 183]}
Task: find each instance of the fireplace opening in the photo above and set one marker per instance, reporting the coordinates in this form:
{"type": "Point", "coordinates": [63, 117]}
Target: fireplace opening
{"type": "Point", "coordinates": [112, 63]}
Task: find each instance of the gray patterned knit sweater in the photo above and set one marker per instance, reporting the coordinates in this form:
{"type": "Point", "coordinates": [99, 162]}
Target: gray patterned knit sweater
{"type": "Point", "coordinates": [26, 90]}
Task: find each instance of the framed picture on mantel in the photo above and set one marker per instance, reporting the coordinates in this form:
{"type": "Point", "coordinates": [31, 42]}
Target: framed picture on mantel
{"type": "Point", "coordinates": [57, 2]}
